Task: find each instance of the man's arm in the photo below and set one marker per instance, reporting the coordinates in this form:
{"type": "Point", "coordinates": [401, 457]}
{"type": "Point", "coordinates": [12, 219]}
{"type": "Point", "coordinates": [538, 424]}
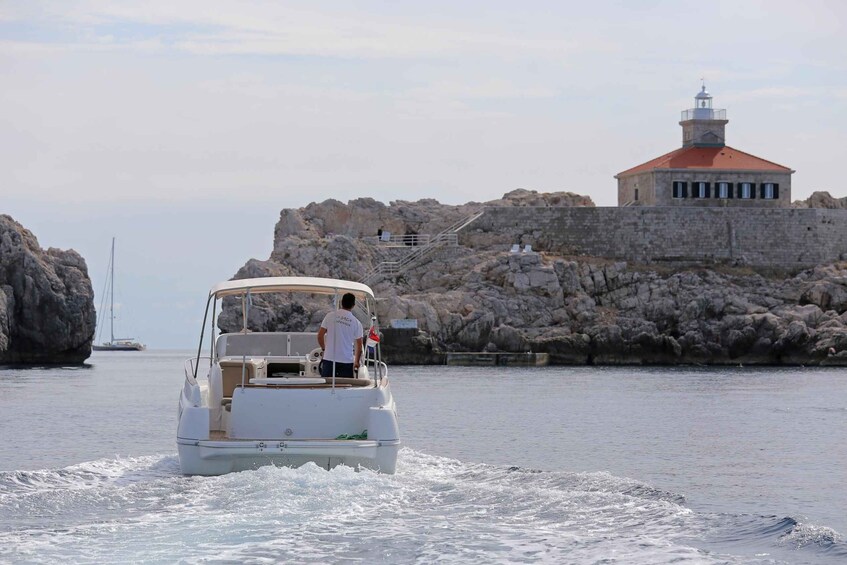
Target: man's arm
{"type": "Point", "coordinates": [321, 338]}
{"type": "Point", "coordinates": [358, 353]}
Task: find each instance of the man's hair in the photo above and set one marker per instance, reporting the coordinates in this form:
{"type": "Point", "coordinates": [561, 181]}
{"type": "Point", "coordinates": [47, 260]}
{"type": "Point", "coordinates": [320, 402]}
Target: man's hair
{"type": "Point", "coordinates": [348, 301]}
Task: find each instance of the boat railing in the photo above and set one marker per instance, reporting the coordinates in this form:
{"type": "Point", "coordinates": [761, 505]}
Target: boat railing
{"type": "Point", "coordinates": [190, 389]}
{"type": "Point", "coordinates": [191, 365]}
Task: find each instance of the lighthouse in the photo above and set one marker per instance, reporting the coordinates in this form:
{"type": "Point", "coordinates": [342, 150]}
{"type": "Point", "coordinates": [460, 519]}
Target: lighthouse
{"type": "Point", "coordinates": [703, 125]}
{"type": "Point", "coordinates": [705, 171]}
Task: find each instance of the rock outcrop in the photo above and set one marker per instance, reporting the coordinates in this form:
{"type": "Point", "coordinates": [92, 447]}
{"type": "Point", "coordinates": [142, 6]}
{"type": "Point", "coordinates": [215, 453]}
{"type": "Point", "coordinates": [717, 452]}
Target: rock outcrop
{"type": "Point", "coordinates": [524, 197]}
{"type": "Point", "coordinates": [47, 311]}
{"type": "Point", "coordinates": [821, 199]}
{"type": "Point", "coordinates": [578, 310]}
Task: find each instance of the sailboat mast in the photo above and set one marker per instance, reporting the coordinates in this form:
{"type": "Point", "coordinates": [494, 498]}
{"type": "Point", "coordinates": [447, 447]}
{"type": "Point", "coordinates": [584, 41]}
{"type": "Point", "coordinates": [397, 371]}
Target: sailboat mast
{"type": "Point", "coordinates": [112, 295]}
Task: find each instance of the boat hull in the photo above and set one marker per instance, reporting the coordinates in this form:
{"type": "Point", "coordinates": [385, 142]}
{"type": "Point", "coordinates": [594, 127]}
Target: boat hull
{"type": "Point", "coordinates": [208, 457]}
{"type": "Point", "coordinates": [106, 347]}
{"type": "Point", "coordinates": [264, 425]}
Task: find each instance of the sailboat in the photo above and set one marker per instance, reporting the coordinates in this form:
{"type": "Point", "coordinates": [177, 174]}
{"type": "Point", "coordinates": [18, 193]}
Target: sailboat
{"type": "Point", "coordinates": [120, 343]}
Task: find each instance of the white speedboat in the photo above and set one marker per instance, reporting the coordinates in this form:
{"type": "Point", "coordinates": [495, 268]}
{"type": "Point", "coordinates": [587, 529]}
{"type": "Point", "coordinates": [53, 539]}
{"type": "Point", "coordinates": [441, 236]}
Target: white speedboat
{"type": "Point", "coordinates": [262, 400]}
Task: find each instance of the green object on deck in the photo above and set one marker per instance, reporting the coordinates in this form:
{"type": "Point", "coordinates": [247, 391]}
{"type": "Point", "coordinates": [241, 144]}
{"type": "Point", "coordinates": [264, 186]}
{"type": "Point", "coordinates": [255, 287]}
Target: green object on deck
{"type": "Point", "coordinates": [363, 435]}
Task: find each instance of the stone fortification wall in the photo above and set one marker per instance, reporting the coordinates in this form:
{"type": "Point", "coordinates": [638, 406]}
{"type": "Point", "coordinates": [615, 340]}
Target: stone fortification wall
{"type": "Point", "coordinates": [774, 238]}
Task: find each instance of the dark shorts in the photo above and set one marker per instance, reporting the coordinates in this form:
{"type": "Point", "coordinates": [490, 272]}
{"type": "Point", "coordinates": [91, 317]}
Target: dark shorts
{"type": "Point", "coordinates": [341, 369]}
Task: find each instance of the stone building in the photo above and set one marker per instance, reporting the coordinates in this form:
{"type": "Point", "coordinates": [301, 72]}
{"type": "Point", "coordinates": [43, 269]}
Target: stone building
{"type": "Point", "coordinates": [705, 171]}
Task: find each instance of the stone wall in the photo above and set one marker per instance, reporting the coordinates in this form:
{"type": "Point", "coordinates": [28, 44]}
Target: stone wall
{"type": "Point", "coordinates": [644, 183]}
{"type": "Point", "coordinates": [700, 131]}
{"type": "Point", "coordinates": [781, 238]}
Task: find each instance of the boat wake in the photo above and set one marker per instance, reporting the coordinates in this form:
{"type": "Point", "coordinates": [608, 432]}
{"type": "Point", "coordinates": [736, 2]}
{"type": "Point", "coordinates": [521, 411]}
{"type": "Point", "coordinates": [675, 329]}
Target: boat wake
{"type": "Point", "coordinates": [433, 509]}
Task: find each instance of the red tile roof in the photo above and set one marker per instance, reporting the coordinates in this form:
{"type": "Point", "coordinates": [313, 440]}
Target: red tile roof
{"type": "Point", "coordinates": [723, 158]}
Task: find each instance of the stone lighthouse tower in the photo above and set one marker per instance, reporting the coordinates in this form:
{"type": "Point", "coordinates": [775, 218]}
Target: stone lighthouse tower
{"type": "Point", "coordinates": [702, 125]}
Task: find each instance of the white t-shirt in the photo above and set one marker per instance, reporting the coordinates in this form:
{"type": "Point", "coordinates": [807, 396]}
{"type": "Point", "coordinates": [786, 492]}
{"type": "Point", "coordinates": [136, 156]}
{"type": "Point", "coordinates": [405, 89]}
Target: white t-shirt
{"type": "Point", "coordinates": [342, 331]}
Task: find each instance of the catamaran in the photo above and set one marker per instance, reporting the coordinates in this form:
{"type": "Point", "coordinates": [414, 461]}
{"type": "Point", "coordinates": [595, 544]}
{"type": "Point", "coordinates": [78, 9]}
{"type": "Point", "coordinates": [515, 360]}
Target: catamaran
{"type": "Point", "coordinates": [261, 400]}
{"type": "Point", "coordinates": [115, 343]}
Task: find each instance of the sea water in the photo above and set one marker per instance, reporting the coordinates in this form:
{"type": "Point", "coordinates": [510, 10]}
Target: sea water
{"type": "Point", "coordinates": [556, 465]}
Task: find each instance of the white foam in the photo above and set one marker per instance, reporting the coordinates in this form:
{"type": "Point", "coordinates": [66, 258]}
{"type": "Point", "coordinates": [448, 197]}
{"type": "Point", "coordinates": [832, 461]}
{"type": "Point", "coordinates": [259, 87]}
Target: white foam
{"type": "Point", "coordinates": [433, 509]}
{"type": "Point", "coordinates": [804, 534]}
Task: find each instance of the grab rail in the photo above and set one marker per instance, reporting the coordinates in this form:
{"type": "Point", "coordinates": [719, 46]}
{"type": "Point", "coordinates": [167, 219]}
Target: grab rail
{"type": "Point", "coordinates": [188, 366]}
{"type": "Point", "coordinates": [191, 389]}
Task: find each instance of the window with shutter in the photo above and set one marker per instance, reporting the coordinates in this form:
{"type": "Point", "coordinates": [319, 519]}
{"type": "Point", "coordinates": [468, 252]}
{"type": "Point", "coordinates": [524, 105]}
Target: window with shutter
{"type": "Point", "coordinates": [722, 190]}
{"type": "Point", "coordinates": [767, 190]}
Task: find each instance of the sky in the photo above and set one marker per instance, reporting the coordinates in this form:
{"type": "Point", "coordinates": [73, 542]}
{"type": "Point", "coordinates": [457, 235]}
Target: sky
{"type": "Point", "coordinates": [183, 128]}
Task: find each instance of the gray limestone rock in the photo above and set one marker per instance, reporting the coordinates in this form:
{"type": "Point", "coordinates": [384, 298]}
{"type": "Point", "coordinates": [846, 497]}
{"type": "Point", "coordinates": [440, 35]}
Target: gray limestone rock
{"type": "Point", "coordinates": [821, 199]}
{"type": "Point", "coordinates": [826, 294]}
{"type": "Point", "coordinates": [47, 311]}
{"type": "Point", "coordinates": [507, 338]}
{"type": "Point", "coordinates": [524, 197]}
{"type": "Point", "coordinates": [577, 309]}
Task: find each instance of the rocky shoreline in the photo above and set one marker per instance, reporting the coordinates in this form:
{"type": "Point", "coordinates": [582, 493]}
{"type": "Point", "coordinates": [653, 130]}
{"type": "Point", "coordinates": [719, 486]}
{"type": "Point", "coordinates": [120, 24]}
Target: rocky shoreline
{"type": "Point", "coordinates": [579, 310]}
{"type": "Point", "coordinates": [47, 311]}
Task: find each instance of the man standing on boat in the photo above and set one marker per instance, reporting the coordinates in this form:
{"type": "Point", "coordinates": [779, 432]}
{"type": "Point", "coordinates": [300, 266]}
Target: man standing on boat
{"type": "Point", "coordinates": [342, 332]}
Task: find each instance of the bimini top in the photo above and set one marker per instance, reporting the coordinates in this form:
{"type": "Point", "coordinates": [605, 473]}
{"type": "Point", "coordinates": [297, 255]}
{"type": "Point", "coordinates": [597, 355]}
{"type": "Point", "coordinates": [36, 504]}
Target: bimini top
{"type": "Point", "coordinates": [312, 285]}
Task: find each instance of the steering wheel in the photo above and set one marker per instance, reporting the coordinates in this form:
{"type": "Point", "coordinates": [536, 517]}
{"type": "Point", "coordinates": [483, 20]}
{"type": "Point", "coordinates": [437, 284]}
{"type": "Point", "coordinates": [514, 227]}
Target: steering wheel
{"type": "Point", "coordinates": [315, 355]}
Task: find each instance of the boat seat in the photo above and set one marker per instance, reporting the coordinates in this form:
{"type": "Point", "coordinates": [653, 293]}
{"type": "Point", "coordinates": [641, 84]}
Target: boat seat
{"type": "Point", "coordinates": [349, 381]}
{"type": "Point", "coordinates": [266, 344]}
{"type": "Point", "coordinates": [231, 376]}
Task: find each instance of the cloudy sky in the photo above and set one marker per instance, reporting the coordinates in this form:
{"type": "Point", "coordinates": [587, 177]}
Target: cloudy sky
{"type": "Point", "coordinates": [182, 128]}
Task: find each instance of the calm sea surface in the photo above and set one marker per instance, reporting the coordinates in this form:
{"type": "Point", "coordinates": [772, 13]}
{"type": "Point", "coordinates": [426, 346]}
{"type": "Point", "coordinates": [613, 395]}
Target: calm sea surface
{"type": "Point", "coordinates": [559, 465]}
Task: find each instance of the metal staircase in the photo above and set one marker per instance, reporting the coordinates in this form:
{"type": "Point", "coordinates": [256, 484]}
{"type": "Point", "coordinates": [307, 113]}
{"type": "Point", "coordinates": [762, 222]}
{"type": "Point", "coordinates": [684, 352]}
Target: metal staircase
{"type": "Point", "coordinates": [447, 238]}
